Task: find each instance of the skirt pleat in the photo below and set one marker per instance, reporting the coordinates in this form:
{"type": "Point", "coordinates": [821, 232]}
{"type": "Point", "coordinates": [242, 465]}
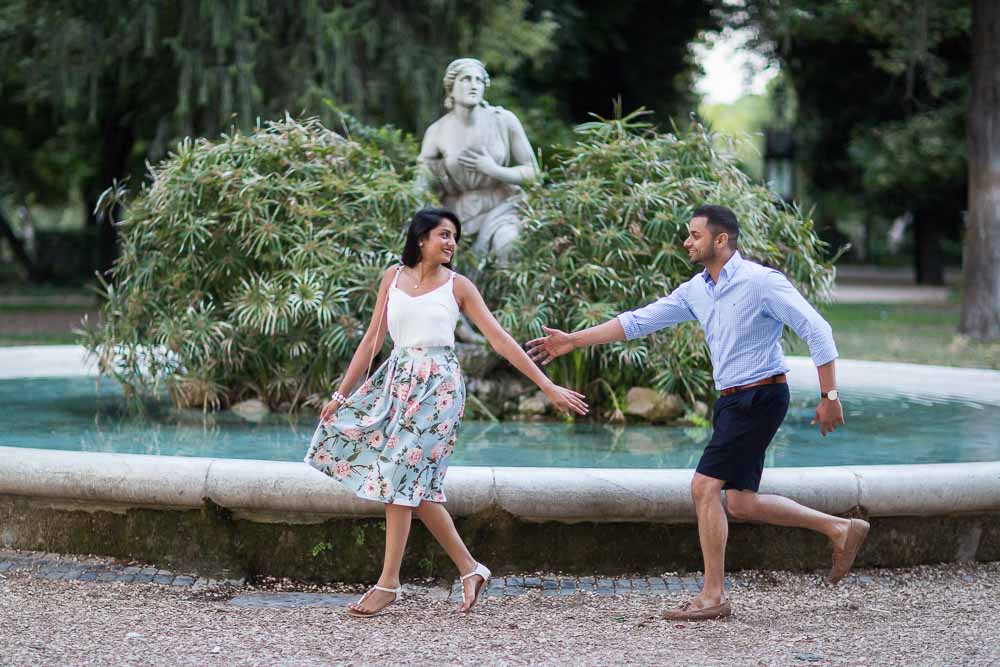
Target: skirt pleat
{"type": "Point", "coordinates": [392, 439]}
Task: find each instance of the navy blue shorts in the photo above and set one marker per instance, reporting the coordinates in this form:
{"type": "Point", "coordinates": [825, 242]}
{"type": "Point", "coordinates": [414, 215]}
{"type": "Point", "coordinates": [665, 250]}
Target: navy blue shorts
{"type": "Point", "coordinates": [743, 425]}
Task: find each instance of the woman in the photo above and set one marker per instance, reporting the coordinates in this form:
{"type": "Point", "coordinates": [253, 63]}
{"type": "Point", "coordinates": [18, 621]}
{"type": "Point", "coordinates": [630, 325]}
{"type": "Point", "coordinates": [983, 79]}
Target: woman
{"type": "Point", "coordinates": [479, 156]}
{"type": "Point", "coordinates": [390, 441]}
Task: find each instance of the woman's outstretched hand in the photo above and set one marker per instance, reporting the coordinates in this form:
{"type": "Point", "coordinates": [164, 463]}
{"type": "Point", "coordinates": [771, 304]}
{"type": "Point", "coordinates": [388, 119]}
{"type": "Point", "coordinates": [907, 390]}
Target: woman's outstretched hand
{"type": "Point", "coordinates": [329, 410]}
{"type": "Point", "coordinates": [555, 344]}
{"type": "Point", "coordinates": [567, 400]}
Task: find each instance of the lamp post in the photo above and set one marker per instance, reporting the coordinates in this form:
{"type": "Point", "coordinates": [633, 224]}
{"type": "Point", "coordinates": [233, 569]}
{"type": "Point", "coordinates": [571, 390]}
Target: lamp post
{"type": "Point", "coordinates": [779, 162]}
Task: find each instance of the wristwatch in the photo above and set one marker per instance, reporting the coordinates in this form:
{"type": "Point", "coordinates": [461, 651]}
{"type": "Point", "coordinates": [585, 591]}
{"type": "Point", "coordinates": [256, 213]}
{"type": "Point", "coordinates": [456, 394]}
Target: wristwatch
{"type": "Point", "coordinates": [833, 394]}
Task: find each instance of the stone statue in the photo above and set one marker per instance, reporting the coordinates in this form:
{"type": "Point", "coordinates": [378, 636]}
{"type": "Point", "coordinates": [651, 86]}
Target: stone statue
{"type": "Point", "coordinates": [478, 156]}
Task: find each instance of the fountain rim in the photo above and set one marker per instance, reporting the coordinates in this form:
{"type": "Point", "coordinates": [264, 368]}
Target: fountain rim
{"type": "Point", "coordinates": [298, 493]}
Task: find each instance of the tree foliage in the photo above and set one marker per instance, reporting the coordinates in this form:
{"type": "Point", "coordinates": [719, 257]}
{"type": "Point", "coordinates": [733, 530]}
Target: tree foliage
{"type": "Point", "coordinates": [882, 88]}
{"type": "Point", "coordinates": [250, 264]}
{"type": "Point", "coordinates": [123, 81]}
{"type": "Point", "coordinates": [635, 50]}
{"type": "Point", "coordinates": [604, 236]}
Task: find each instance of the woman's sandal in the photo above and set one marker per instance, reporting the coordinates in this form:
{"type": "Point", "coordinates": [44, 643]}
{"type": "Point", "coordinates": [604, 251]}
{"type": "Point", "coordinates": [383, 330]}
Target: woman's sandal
{"type": "Point", "coordinates": [481, 571]}
{"type": "Point", "coordinates": [356, 611]}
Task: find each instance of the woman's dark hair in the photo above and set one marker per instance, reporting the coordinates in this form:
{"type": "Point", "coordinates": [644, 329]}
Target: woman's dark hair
{"type": "Point", "coordinates": [425, 220]}
{"type": "Point", "coordinates": [720, 219]}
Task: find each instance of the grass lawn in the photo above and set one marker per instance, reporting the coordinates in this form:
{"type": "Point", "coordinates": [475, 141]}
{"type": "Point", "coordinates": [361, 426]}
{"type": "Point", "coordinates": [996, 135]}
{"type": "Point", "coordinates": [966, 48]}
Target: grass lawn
{"type": "Point", "coordinates": [15, 340]}
{"type": "Point", "coordinates": [919, 334]}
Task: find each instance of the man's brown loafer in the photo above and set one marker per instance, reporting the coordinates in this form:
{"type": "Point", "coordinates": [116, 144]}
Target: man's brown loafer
{"type": "Point", "coordinates": [843, 559]}
{"type": "Point", "coordinates": [688, 612]}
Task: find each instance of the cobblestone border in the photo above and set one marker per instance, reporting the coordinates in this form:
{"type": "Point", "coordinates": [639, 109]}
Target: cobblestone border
{"type": "Point", "coordinates": [53, 566]}
{"type": "Point", "coordinates": [58, 566]}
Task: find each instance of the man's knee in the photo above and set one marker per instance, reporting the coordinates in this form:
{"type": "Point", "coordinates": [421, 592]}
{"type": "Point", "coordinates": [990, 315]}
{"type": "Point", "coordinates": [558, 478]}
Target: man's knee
{"type": "Point", "coordinates": [704, 488]}
{"type": "Point", "coordinates": [741, 504]}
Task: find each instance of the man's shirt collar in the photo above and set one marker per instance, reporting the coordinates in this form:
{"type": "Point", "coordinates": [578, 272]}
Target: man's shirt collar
{"type": "Point", "coordinates": [728, 269]}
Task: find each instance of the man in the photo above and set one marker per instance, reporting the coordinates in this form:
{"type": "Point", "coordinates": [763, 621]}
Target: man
{"type": "Point", "coordinates": [742, 307]}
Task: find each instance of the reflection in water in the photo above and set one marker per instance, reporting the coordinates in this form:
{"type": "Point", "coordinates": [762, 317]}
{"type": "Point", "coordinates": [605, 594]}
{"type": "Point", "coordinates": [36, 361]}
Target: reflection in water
{"type": "Point", "coordinates": [71, 414]}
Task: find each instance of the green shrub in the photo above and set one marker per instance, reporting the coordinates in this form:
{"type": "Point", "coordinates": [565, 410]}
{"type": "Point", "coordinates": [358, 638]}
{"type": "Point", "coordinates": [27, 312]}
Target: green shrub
{"type": "Point", "coordinates": [249, 266]}
{"type": "Point", "coordinates": [604, 235]}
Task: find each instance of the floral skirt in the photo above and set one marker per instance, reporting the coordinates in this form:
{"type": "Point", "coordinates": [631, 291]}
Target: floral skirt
{"type": "Point", "coordinates": [392, 439]}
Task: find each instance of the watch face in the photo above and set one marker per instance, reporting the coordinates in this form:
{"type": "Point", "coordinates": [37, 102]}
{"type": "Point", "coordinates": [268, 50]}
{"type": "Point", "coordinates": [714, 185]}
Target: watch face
{"type": "Point", "coordinates": [833, 395]}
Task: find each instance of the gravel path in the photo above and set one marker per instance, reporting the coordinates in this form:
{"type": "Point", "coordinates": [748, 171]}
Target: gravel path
{"type": "Point", "coordinates": [929, 615]}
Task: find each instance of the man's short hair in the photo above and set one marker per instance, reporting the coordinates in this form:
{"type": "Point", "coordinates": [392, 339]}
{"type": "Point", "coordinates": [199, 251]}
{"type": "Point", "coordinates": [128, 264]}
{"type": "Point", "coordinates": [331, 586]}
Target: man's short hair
{"type": "Point", "coordinates": [720, 219]}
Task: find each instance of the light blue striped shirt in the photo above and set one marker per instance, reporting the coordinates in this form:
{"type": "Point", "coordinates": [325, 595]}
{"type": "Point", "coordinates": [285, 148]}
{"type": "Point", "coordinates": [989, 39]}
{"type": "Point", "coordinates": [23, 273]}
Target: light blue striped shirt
{"type": "Point", "coordinates": [742, 317]}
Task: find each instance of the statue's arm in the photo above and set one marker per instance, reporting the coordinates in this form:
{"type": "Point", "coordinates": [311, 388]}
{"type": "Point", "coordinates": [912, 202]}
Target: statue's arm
{"type": "Point", "coordinates": [430, 170]}
{"type": "Point", "coordinates": [521, 154]}
{"type": "Point", "coordinates": [523, 167]}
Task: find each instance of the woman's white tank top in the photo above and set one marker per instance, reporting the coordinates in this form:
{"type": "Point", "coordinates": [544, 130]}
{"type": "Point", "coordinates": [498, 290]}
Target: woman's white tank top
{"type": "Point", "coordinates": [427, 320]}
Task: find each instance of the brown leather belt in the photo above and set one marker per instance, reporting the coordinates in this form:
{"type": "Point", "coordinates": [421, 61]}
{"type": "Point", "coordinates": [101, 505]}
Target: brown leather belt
{"type": "Point", "coordinates": [774, 379]}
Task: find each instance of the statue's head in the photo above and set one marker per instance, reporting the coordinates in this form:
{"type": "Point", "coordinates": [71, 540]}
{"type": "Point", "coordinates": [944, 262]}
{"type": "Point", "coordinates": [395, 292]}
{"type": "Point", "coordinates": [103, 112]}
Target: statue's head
{"type": "Point", "coordinates": [476, 74]}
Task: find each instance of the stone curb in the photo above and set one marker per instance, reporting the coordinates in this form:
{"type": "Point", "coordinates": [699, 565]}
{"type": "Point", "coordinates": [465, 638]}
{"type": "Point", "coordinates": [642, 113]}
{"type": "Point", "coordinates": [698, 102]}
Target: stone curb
{"type": "Point", "coordinates": [300, 494]}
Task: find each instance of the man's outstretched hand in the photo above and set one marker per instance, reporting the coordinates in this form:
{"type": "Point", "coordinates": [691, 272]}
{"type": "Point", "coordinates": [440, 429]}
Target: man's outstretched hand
{"type": "Point", "coordinates": [829, 415]}
{"type": "Point", "coordinates": [555, 344]}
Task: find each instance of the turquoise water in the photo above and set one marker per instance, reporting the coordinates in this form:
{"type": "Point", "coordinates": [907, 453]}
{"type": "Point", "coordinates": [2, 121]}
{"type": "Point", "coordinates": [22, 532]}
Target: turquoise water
{"type": "Point", "coordinates": [72, 414]}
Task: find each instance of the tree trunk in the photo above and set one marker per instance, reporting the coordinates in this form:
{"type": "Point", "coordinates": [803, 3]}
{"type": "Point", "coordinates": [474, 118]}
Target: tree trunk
{"type": "Point", "coordinates": [116, 146]}
{"type": "Point", "coordinates": [981, 299]}
{"type": "Point", "coordinates": [928, 262]}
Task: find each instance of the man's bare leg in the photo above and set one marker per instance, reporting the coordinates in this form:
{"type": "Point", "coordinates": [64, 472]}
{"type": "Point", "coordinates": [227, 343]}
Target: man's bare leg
{"type": "Point", "coordinates": [713, 531]}
{"type": "Point", "coordinates": [781, 511]}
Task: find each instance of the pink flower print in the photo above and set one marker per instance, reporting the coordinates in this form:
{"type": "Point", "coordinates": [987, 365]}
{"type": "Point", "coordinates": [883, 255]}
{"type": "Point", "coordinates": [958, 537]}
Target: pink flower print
{"type": "Point", "coordinates": [375, 440]}
{"type": "Point", "coordinates": [411, 409]}
{"type": "Point", "coordinates": [371, 486]}
{"type": "Point", "coordinates": [419, 491]}
{"type": "Point", "coordinates": [444, 402]}
{"type": "Point", "coordinates": [353, 434]}
{"type": "Point", "coordinates": [435, 368]}
{"type": "Point", "coordinates": [368, 421]}
{"type": "Point", "coordinates": [444, 427]}
{"type": "Point", "coordinates": [414, 456]}
{"type": "Point", "coordinates": [437, 497]}
{"type": "Point", "coordinates": [446, 387]}
{"type": "Point", "coordinates": [392, 441]}
{"type": "Point", "coordinates": [342, 469]}
{"type": "Point", "coordinates": [322, 457]}
{"type": "Point", "coordinates": [425, 371]}
{"type": "Point", "coordinates": [437, 452]}
{"type": "Point", "coordinates": [366, 387]}
{"type": "Point", "coordinates": [403, 392]}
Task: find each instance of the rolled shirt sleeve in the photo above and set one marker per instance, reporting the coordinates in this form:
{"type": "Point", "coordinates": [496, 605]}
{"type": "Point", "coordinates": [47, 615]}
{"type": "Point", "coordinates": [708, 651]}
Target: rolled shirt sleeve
{"type": "Point", "coordinates": [784, 303]}
{"type": "Point", "coordinates": [664, 312]}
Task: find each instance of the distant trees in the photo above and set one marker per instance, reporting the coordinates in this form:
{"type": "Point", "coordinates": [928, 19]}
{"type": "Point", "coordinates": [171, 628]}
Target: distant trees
{"type": "Point", "coordinates": [882, 89]}
{"type": "Point", "coordinates": [96, 89]}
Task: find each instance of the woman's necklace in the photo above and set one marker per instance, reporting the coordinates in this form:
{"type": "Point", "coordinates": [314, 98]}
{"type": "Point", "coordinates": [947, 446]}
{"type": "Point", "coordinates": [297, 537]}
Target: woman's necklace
{"type": "Point", "coordinates": [418, 283]}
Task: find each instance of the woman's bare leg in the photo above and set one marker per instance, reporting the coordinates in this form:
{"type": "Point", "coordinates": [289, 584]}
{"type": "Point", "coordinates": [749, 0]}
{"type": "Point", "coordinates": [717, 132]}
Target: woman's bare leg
{"type": "Point", "coordinates": [397, 529]}
{"type": "Point", "coordinates": [439, 523]}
